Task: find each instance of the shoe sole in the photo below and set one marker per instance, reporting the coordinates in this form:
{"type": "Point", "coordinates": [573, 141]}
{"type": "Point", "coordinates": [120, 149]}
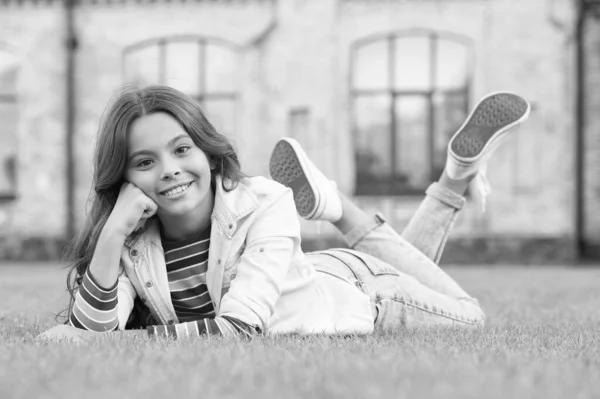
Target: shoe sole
{"type": "Point", "coordinates": [495, 114]}
{"type": "Point", "coordinates": [286, 168]}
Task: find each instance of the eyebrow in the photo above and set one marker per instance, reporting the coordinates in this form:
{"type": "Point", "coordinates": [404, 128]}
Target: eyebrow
{"type": "Point", "coordinates": [169, 144]}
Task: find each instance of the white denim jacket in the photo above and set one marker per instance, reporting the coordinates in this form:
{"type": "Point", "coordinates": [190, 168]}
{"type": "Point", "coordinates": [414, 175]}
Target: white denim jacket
{"type": "Point", "coordinates": [256, 272]}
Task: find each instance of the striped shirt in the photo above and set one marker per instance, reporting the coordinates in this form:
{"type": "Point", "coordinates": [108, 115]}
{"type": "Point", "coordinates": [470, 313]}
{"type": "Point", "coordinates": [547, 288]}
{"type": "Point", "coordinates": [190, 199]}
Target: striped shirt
{"type": "Point", "coordinates": [95, 307]}
{"type": "Point", "coordinates": [187, 262]}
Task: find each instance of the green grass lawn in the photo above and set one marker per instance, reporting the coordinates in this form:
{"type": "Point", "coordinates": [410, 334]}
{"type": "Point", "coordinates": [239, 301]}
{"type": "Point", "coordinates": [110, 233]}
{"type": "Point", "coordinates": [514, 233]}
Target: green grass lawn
{"type": "Point", "coordinates": [542, 340]}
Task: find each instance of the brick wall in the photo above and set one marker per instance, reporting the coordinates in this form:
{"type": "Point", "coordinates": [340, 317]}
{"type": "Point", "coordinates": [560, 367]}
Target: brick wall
{"type": "Point", "coordinates": [295, 56]}
{"type": "Point", "coordinates": [34, 35]}
{"type": "Point", "coordinates": [99, 73]}
{"type": "Point", "coordinates": [520, 46]}
{"type": "Point", "coordinates": [591, 193]}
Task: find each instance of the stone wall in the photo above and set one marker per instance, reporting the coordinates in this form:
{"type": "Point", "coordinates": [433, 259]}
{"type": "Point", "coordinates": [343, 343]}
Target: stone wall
{"type": "Point", "coordinates": [99, 59]}
{"type": "Point", "coordinates": [35, 35]}
{"type": "Point", "coordinates": [296, 56]}
{"type": "Point", "coordinates": [591, 136]}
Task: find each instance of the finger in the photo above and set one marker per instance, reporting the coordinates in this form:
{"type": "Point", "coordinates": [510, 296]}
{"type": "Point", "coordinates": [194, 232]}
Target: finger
{"type": "Point", "coordinates": [146, 215]}
{"type": "Point", "coordinates": [150, 209]}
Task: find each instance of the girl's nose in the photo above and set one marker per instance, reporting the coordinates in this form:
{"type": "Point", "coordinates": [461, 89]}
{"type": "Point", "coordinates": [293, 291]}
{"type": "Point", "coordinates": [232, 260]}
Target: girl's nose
{"type": "Point", "coordinates": [170, 174]}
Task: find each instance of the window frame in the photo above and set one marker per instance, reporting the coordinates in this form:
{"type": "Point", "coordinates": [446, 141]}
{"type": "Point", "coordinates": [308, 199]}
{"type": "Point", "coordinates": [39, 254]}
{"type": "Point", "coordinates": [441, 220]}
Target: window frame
{"type": "Point", "coordinates": [393, 186]}
{"type": "Point", "coordinates": [9, 98]}
{"type": "Point", "coordinates": [202, 42]}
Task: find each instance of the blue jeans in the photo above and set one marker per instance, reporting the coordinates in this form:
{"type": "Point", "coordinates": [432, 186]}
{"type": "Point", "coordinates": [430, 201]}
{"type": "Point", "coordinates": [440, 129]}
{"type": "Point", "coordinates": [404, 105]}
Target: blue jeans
{"type": "Point", "coordinates": [400, 273]}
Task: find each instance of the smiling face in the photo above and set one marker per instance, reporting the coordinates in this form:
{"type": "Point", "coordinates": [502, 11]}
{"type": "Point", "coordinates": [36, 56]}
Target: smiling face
{"type": "Point", "coordinates": [168, 167]}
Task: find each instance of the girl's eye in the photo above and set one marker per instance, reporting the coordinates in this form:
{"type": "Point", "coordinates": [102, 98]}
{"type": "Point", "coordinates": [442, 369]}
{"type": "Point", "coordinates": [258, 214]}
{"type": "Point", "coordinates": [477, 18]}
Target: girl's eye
{"type": "Point", "coordinates": [144, 163]}
{"type": "Point", "coordinates": [183, 149]}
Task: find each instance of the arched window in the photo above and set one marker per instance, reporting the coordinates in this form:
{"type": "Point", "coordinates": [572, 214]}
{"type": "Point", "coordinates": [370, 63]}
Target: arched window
{"type": "Point", "coordinates": [409, 94]}
{"type": "Point", "coordinates": [9, 118]}
{"type": "Point", "coordinates": [202, 68]}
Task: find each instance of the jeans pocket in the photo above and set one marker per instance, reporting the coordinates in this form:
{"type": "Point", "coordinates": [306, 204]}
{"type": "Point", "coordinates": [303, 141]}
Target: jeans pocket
{"type": "Point", "coordinates": [376, 266]}
{"type": "Point", "coordinates": [327, 262]}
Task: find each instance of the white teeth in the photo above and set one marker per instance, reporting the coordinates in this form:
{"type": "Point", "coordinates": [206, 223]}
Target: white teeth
{"type": "Point", "coordinates": [177, 190]}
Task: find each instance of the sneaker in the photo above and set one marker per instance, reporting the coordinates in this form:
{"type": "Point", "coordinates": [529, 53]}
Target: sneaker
{"type": "Point", "coordinates": [316, 197]}
{"type": "Point", "coordinates": [473, 144]}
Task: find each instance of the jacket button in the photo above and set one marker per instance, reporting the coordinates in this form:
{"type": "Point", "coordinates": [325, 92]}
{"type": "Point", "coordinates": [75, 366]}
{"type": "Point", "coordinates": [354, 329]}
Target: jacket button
{"type": "Point", "coordinates": [144, 300]}
{"type": "Point", "coordinates": [230, 226]}
{"type": "Point", "coordinates": [233, 276]}
{"type": "Point", "coordinates": [134, 252]}
{"type": "Point", "coordinates": [149, 284]}
{"type": "Point", "coordinates": [219, 262]}
{"type": "Point", "coordinates": [171, 322]}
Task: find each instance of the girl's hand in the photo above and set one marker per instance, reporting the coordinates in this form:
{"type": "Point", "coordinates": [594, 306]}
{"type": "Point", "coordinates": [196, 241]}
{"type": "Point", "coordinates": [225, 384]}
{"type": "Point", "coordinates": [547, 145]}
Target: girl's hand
{"type": "Point", "coordinates": [63, 331]}
{"type": "Point", "coordinates": [131, 211]}
{"type": "Point", "coordinates": [66, 332]}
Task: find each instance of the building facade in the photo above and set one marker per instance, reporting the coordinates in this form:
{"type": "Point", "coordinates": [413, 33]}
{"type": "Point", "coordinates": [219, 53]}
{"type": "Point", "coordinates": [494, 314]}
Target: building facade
{"type": "Point", "coordinates": [372, 89]}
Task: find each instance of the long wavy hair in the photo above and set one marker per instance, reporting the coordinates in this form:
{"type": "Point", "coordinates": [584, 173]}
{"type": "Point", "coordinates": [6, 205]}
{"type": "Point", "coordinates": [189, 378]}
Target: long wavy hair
{"type": "Point", "coordinates": [110, 158]}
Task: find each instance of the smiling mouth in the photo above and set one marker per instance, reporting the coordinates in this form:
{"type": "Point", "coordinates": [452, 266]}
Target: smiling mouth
{"type": "Point", "coordinates": [177, 190]}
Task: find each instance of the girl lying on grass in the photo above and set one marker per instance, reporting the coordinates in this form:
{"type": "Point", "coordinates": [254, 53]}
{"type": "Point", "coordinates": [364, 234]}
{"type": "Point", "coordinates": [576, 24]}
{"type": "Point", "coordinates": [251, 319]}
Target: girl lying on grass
{"type": "Point", "coordinates": [180, 243]}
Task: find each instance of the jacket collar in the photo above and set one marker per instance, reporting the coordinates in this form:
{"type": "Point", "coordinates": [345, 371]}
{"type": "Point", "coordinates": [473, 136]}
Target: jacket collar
{"type": "Point", "coordinates": [228, 209]}
{"type": "Point", "coordinates": [231, 206]}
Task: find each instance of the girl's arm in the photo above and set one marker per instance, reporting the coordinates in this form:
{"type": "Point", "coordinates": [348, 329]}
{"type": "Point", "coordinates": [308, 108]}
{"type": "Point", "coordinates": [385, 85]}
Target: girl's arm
{"type": "Point", "coordinates": [102, 309]}
{"type": "Point", "coordinates": [103, 296]}
{"type": "Point", "coordinates": [220, 325]}
{"type": "Point", "coordinates": [107, 256]}
{"type": "Point", "coordinates": [133, 207]}
{"type": "Point", "coordinates": [96, 301]}
{"type": "Point", "coordinates": [95, 307]}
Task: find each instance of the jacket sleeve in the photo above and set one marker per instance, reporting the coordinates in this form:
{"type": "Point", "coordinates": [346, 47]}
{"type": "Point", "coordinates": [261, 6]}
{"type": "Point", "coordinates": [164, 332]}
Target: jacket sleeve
{"type": "Point", "coordinates": [271, 242]}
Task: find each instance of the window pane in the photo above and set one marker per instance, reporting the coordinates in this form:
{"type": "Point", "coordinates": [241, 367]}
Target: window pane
{"type": "Point", "coordinates": [220, 69]}
{"type": "Point", "coordinates": [413, 63]}
{"type": "Point", "coordinates": [450, 112]}
{"type": "Point", "coordinates": [372, 66]}
{"type": "Point", "coordinates": [412, 141]}
{"type": "Point", "coordinates": [452, 65]}
{"type": "Point", "coordinates": [142, 66]}
{"type": "Point", "coordinates": [221, 114]}
{"type": "Point", "coordinates": [373, 155]}
{"type": "Point", "coordinates": [183, 67]}
{"type": "Point", "coordinates": [8, 145]}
